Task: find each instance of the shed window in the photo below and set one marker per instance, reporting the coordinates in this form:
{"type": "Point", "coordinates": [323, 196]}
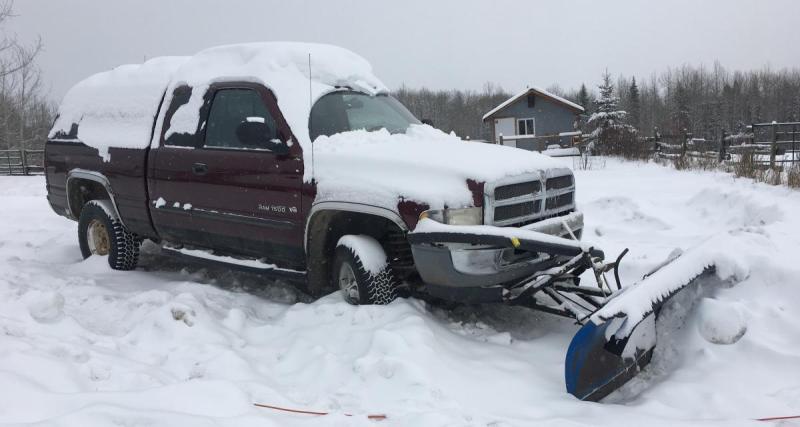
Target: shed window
{"type": "Point", "coordinates": [526, 127]}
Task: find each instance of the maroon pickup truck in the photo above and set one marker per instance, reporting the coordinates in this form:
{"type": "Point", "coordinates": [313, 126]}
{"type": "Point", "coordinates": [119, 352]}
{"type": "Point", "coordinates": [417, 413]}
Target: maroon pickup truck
{"type": "Point", "coordinates": [293, 159]}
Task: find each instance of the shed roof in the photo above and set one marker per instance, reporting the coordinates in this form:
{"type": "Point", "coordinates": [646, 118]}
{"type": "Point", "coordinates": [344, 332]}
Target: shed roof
{"type": "Point", "coordinates": [541, 92]}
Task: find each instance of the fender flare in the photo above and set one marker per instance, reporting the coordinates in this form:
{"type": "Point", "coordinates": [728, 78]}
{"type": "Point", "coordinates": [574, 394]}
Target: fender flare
{"type": "Point", "coordinates": [378, 211]}
{"type": "Point", "coordinates": [94, 176]}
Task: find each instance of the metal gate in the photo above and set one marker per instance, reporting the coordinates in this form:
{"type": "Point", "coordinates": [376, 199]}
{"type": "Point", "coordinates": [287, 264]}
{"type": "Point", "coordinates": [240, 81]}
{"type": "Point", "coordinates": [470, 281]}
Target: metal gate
{"type": "Point", "coordinates": [21, 162]}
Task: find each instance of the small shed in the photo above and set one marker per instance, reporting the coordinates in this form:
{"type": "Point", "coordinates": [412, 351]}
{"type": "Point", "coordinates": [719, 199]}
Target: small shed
{"type": "Point", "coordinates": [535, 119]}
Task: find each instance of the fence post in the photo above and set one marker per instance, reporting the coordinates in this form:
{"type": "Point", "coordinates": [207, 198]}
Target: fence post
{"type": "Point", "coordinates": [656, 140]}
{"type": "Point", "coordinates": [684, 143]}
{"type": "Point", "coordinates": [774, 146]}
{"type": "Point", "coordinates": [23, 155]}
{"type": "Point", "coordinates": [722, 147]}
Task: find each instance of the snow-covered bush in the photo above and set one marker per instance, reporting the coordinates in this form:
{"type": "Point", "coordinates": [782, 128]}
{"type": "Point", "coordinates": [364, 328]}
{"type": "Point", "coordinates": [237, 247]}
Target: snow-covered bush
{"type": "Point", "coordinates": [793, 177]}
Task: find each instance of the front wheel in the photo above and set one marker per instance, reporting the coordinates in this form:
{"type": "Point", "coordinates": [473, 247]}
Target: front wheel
{"type": "Point", "coordinates": [100, 232]}
{"type": "Point", "coordinates": [361, 273]}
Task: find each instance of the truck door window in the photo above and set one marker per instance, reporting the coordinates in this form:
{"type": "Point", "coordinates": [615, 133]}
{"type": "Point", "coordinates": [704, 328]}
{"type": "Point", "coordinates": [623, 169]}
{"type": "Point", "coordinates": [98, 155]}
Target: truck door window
{"type": "Point", "coordinates": [230, 108]}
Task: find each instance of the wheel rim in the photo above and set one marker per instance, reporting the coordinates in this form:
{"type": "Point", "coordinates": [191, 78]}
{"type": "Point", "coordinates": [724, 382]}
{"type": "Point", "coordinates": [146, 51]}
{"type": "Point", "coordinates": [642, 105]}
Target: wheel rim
{"type": "Point", "coordinates": [348, 284]}
{"type": "Point", "coordinates": [97, 238]}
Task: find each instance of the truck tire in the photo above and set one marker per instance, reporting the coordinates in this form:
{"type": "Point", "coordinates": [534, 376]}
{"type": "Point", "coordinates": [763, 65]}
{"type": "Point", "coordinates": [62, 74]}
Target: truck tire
{"type": "Point", "coordinates": [358, 284]}
{"type": "Point", "coordinates": [100, 232]}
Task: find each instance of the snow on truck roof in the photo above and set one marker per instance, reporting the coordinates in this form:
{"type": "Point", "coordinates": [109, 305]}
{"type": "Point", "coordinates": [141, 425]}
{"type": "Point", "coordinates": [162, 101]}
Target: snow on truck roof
{"type": "Point", "coordinates": [128, 96]}
{"type": "Point", "coordinates": [117, 106]}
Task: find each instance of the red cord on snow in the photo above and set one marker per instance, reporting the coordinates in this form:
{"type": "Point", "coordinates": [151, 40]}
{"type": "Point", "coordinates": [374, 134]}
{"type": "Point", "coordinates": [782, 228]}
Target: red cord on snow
{"type": "Point", "coordinates": [790, 417]}
{"type": "Point", "coordinates": [378, 417]}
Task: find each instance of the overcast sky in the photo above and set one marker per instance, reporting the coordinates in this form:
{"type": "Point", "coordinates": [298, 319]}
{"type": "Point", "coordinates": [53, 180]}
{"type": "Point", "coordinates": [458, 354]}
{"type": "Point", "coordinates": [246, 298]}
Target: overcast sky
{"type": "Point", "coordinates": [438, 44]}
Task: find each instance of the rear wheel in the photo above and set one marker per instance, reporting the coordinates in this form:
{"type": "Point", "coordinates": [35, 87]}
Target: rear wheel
{"type": "Point", "coordinates": [361, 273]}
{"type": "Point", "coordinates": [100, 232]}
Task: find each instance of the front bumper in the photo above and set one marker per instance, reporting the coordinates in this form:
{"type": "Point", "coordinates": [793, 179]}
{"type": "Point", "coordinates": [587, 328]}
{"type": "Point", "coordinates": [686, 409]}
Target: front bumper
{"type": "Point", "coordinates": [475, 263]}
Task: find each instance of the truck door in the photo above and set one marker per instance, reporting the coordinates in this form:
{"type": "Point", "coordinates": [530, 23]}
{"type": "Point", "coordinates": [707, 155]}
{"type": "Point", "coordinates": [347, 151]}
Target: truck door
{"type": "Point", "coordinates": [225, 195]}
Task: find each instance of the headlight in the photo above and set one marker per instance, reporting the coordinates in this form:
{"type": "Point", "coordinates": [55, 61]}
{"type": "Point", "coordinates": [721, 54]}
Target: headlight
{"type": "Point", "coordinates": [464, 216]}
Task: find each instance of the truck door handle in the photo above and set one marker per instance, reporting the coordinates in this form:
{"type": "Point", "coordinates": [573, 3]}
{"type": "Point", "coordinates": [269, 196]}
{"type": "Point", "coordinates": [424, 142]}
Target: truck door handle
{"type": "Point", "coordinates": [200, 169]}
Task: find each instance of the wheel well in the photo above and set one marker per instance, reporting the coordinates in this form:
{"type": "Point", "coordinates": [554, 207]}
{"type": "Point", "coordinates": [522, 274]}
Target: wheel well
{"type": "Point", "coordinates": [80, 191]}
{"type": "Point", "coordinates": [328, 226]}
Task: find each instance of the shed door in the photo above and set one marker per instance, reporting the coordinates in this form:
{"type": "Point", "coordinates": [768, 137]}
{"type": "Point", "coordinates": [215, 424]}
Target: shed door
{"type": "Point", "coordinates": [507, 127]}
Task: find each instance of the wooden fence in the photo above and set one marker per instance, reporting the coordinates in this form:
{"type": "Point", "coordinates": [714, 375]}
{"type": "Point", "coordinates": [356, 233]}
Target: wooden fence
{"type": "Point", "coordinates": [21, 162]}
{"type": "Point", "coordinates": [772, 145]}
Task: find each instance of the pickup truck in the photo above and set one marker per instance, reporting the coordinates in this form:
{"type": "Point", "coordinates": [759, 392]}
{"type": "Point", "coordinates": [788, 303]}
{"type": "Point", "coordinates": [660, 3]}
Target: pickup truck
{"type": "Point", "coordinates": [293, 159]}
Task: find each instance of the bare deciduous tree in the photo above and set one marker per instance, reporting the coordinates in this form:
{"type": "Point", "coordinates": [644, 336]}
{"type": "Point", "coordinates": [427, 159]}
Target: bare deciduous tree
{"type": "Point", "coordinates": [25, 114]}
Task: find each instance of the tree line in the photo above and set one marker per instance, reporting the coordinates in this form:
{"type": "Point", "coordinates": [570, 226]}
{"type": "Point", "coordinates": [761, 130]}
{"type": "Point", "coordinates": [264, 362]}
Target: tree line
{"type": "Point", "coordinates": [704, 101]}
{"type": "Point", "coordinates": [690, 99]}
{"type": "Point", "coordinates": [458, 111]}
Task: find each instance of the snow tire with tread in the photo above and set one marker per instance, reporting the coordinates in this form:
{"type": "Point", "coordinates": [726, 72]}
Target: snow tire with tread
{"type": "Point", "coordinates": [372, 288]}
{"type": "Point", "coordinates": [122, 246]}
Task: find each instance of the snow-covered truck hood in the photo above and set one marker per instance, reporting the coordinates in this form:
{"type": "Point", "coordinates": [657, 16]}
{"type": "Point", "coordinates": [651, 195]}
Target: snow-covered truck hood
{"type": "Point", "coordinates": [423, 165]}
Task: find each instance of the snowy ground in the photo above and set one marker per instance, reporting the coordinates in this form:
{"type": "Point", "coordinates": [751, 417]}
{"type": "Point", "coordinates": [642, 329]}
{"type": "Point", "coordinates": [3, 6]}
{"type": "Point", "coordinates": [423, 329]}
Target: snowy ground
{"type": "Point", "coordinates": [179, 344]}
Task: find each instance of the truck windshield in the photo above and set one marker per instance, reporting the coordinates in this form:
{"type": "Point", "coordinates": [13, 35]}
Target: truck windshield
{"type": "Point", "coordinates": [345, 111]}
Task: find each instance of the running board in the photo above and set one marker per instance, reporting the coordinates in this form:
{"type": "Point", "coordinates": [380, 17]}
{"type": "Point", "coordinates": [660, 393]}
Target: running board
{"type": "Point", "coordinates": [246, 265]}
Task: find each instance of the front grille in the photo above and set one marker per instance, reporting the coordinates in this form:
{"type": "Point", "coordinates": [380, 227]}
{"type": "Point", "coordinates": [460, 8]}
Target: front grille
{"type": "Point", "coordinates": [557, 202]}
{"type": "Point", "coordinates": [521, 203]}
{"type": "Point", "coordinates": [502, 213]}
{"type": "Point", "coordinates": [560, 182]}
{"type": "Point", "coordinates": [517, 190]}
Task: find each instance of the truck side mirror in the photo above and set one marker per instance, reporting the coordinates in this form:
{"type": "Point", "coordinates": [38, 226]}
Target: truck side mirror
{"type": "Point", "coordinates": [254, 132]}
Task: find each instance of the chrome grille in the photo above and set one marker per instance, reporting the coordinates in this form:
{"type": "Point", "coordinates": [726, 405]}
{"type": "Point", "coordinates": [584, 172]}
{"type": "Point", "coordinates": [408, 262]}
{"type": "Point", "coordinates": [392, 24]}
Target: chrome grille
{"type": "Point", "coordinates": [516, 190]}
{"type": "Point", "coordinates": [559, 182]}
{"type": "Point", "coordinates": [558, 201]}
{"type": "Point", "coordinates": [524, 201]}
{"type": "Point", "coordinates": [502, 213]}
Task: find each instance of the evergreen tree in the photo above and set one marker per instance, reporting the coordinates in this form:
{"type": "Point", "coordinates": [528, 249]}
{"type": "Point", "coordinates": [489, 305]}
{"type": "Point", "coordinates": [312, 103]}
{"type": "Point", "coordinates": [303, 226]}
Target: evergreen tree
{"type": "Point", "coordinates": [634, 104]}
{"type": "Point", "coordinates": [583, 97]}
{"type": "Point", "coordinates": [607, 114]}
{"type": "Point", "coordinates": [611, 134]}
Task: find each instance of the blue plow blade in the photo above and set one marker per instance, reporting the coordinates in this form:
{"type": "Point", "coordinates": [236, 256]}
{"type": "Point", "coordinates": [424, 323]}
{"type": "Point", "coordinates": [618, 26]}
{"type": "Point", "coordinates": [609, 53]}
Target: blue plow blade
{"type": "Point", "coordinates": [601, 359]}
{"type": "Point", "coordinates": [598, 363]}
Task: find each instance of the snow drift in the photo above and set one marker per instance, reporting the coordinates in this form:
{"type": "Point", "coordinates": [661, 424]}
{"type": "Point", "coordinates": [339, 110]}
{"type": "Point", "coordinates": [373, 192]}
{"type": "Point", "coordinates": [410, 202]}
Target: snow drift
{"type": "Point", "coordinates": [184, 344]}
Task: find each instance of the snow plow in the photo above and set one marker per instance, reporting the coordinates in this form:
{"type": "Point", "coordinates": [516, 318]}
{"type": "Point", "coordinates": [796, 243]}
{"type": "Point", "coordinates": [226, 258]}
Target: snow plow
{"type": "Point", "coordinates": [618, 323]}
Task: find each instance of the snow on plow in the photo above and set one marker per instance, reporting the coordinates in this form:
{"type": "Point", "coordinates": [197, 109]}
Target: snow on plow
{"type": "Point", "coordinates": [619, 338]}
{"type": "Point", "coordinates": [618, 323]}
